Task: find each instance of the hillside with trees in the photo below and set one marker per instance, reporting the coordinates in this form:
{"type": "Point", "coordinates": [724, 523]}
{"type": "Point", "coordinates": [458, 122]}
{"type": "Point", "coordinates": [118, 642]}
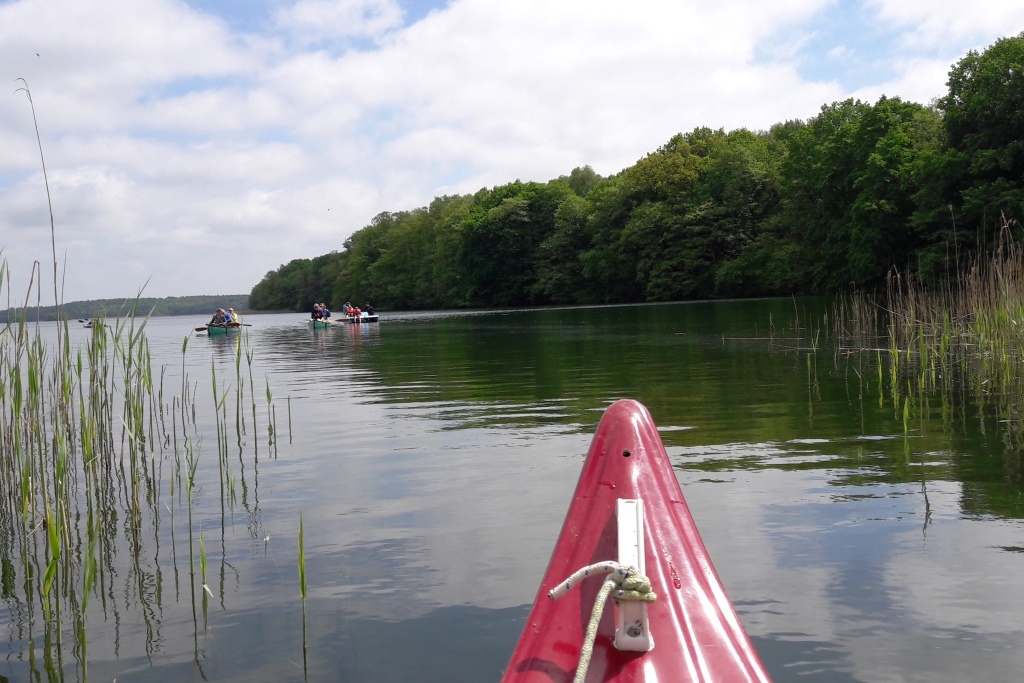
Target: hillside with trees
{"type": "Point", "coordinates": [806, 207]}
{"type": "Point", "coordinates": [175, 305]}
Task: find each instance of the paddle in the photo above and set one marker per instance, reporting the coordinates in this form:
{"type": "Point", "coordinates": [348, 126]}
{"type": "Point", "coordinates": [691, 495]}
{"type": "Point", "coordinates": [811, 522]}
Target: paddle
{"type": "Point", "coordinates": [225, 325]}
{"type": "Point", "coordinates": [206, 327]}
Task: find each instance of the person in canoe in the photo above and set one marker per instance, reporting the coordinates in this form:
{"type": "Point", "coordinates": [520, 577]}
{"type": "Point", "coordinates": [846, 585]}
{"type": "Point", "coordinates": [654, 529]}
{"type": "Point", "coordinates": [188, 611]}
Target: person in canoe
{"type": "Point", "coordinates": [316, 314]}
{"type": "Point", "coordinates": [325, 313]}
{"type": "Point", "coordinates": [220, 318]}
{"type": "Point", "coordinates": [232, 315]}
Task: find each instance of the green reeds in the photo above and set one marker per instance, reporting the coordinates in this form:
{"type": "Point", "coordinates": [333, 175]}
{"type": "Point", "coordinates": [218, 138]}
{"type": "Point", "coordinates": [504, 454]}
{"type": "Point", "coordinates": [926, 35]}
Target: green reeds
{"type": "Point", "coordinates": [302, 594]}
{"type": "Point", "coordinates": [82, 431]}
{"type": "Point", "coordinates": [965, 335]}
{"type": "Point", "coordinates": [979, 317]}
{"type": "Point", "coordinates": [302, 561]}
{"type": "Point", "coordinates": [82, 434]}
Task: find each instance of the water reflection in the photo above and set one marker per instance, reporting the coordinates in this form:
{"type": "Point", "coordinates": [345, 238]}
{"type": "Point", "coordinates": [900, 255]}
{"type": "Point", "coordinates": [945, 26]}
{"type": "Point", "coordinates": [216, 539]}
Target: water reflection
{"type": "Point", "coordinates": [432, 456]}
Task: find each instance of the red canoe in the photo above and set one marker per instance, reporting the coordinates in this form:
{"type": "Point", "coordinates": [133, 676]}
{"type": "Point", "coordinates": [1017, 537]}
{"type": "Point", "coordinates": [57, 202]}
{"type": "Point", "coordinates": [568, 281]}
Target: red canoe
{"type": "Point", "coordinates": [695, 632]}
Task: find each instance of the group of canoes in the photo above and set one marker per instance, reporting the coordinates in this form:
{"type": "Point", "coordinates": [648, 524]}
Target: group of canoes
{"type": "Point", "coordinates": [225, 321]}
{"type": "Point", "coordinates": [321, 316]}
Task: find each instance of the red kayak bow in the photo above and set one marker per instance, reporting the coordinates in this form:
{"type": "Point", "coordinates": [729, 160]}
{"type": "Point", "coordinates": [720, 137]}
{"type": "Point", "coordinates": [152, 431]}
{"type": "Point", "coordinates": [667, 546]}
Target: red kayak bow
{"type": "Point", "coordinates": [692, 625]}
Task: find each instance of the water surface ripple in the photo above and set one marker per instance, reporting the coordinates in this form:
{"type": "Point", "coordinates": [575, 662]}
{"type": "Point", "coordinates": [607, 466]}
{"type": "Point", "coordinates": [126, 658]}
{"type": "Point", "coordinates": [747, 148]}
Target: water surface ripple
{"type": "Point", "coordinates": [432, 456]}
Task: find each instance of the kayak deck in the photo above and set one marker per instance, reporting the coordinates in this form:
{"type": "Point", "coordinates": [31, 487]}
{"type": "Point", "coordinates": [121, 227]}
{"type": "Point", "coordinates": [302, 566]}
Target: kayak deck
{"type": "Point", "coordinates": [696, 633]}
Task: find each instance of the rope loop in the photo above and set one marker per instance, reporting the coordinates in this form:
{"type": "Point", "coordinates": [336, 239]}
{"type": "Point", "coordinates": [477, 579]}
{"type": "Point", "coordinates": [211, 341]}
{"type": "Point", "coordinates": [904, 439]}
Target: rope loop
{"type": "Point", "coordinates": [627, 583]}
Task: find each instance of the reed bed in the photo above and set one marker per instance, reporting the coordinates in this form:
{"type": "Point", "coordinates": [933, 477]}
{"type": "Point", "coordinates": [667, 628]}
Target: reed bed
{"type": "Point", "coordinates": [97, 455]}
{"type": "Point", "coordinates": [963, 340]}
{"type": "Point", "coordinates": [977, 317]}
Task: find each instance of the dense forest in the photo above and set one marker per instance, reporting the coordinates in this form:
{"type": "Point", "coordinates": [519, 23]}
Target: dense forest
{"type": "Point", "coordinates": [174, 305]}
{"type": "Point", "coordinates": [806, 207]}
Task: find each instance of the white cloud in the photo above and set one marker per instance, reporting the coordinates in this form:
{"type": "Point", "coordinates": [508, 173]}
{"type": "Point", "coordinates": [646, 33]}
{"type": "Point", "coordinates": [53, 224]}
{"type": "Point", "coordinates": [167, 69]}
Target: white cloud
{"type": "Point", "coordinates": [839, 52]}
{"type": "Point", "coordinates": [313, 21]}
{"type": "Point", "coordinates": [920, 80]}
{"type": "Point", "coordinates": [101, 51]}
{"type": "Point", "coordinates": [166, 133]}
{"type": "Point", "coordinates": [944, 23]}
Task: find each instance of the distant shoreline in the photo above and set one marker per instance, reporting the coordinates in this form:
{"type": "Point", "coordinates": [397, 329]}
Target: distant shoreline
{"type": "Point", "coordinates": [143, 306]}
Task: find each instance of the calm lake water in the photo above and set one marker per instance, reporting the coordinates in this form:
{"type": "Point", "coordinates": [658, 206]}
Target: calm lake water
{"type": "Point", "coordinates": [431, 458]}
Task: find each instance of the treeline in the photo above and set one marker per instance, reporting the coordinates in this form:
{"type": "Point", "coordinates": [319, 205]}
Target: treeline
{"type": "Point", "coordinates": [175, 305]}
{"type": "Point", "coordinates": [806, 207]}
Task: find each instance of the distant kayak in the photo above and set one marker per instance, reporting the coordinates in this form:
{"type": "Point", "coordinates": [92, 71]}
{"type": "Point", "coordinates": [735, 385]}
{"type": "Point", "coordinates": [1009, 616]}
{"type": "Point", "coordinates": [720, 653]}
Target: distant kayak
{"type": "Point", "coordinates": [678, 624]}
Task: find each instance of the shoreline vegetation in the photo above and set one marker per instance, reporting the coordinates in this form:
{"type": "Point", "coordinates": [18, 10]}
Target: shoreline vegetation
{"type": "Point", "coordinates": [811, 207]}
{"type": "Point", "coordinates": [102, 450]}
{"type": "Point", "coordinates": [934, 351]}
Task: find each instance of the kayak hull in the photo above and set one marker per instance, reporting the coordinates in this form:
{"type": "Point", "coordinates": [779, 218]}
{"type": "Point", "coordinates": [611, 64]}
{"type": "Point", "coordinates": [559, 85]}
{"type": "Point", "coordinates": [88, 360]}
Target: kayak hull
{"type": "Point", "coordinates": [696, 633]}
{"type": "Point", "coordinates": [216, 330]}
{"type": "Point", "coordinates": [320, 324]}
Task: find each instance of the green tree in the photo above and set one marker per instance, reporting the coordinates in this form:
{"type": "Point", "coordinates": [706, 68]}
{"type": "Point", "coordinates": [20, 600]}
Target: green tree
{"type": "Point", "coordinates": [984, 123]}
{"type": "Point", "coordinates": [582, 180]}
{"type": "Point", "coordinates": [764, 260]}
{"type": "Point", "coordinates": [559, 269]}
{"type": "Point", "coordinates": [851, 178]}
{"type": "Point", "coordinates": [448, 215]}
{"type": "Point", "coordinates": [889, 144]}
{"type": "Point", "coordinates": [818, 174]}
{"type": "Point", "coordinates": [356, 280]}
{"type": "Point", "coordinates": [289, 288]}
{"type": "Point", "coordinates": [499, 239]}
{"type": "Point", "coordinates": [732, 207]}
{"type": "Point", "coordinates": [624, 247]}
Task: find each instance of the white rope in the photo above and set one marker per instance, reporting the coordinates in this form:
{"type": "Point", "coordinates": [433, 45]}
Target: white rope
{"type": "Point", "coordinates": [628, 584]}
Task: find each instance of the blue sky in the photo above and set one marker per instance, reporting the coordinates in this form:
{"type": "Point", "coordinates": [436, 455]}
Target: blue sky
{"type": "Point", "coordinates": [848, 45]}
{"type": "Point", "coordinates": [257, 16]}
{"type": "Point", "coordinates": [181, 135]}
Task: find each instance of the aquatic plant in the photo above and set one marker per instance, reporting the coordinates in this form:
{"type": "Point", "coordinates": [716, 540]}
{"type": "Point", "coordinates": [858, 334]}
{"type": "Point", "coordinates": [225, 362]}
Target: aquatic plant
{"type": "Point", "coordinates": [84, 433]}
{"type": "Point", "coordinates": [302, 592]}
{"type": "Point", "coordinates": [965, 335]}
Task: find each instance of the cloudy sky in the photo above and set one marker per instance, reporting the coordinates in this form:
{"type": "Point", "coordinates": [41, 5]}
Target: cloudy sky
{"type": "Point", "coordinates": [196, 145]}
